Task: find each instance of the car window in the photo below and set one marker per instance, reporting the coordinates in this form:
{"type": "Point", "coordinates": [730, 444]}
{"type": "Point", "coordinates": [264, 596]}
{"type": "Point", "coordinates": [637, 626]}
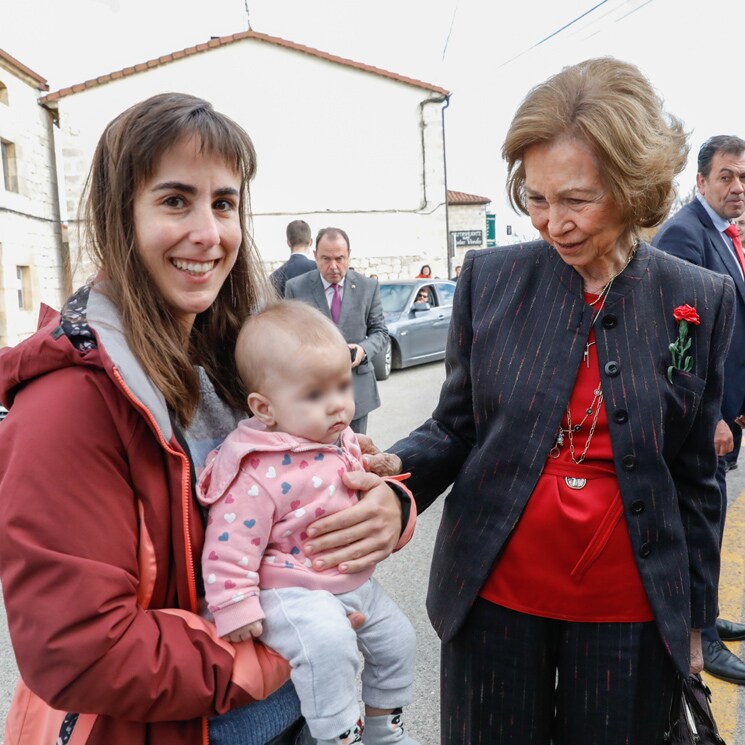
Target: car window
{"type": "Point", "coordinates": [445, 293]}
{"type": "Point", "coordinates": [394, 297]}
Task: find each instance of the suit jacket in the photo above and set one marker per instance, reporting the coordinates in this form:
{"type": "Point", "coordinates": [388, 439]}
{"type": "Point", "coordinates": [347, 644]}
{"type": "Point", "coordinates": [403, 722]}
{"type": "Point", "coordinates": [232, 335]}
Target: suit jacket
{"type": "Point", "coordinates": [691, 235]}
{"type": "Point", "coordinates": [516, 340]}
{"type": "Point", "coordinates": [360, 322]}
{"type": "Point", "coordinates": [296, 265]}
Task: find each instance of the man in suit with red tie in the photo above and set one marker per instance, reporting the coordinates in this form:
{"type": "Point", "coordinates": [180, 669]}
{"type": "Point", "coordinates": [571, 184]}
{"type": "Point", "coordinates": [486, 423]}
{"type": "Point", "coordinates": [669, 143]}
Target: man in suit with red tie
{"type": "Point", "coordinates": [703, 233]}
{"type": "Point", "coordinates": [352, 301]}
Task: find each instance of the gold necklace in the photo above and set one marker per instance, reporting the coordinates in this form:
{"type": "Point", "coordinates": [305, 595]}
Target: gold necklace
{"type": "Point", "coordinates": [597, 401]}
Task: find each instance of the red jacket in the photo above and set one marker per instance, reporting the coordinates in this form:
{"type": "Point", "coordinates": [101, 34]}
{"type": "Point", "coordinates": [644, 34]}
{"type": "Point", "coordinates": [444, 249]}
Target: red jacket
{"type": "Point", "coordinates": [100, 541]}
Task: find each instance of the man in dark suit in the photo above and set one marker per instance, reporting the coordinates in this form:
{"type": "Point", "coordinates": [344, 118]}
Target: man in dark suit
{"type": "Point", "coordinates": [299, 240]}
{"type": "Point", "coordinates": [352, 301]}
{"type": "Point", "coordinates": [702, 232]}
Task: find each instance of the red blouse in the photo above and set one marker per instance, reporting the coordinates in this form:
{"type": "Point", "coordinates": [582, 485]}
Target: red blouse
{"type": "Point", "coordinates": [570, 557]}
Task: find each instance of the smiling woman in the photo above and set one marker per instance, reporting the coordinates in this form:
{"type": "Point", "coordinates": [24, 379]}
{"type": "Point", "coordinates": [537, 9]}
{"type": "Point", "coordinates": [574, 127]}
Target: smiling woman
{"type": "Point", "coordinates": [188, 228]}
{"type": "Point", "coordinates": [126, 390]}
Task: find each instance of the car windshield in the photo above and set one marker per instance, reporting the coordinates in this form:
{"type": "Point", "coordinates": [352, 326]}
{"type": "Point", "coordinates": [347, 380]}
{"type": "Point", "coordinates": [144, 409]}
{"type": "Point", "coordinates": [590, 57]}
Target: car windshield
{"type": "Point", "coordinates": [394, 297]}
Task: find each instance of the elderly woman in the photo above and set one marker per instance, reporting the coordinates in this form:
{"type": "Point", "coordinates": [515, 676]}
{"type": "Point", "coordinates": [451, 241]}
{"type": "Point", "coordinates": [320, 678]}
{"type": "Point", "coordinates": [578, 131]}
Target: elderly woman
{"type": "Point", "coordinates": [577, 557]}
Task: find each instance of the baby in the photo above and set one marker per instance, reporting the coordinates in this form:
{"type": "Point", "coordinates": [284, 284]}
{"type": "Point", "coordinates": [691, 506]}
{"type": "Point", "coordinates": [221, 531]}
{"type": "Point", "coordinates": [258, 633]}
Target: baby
{"type": "Point", "coordinates": [274, 475]}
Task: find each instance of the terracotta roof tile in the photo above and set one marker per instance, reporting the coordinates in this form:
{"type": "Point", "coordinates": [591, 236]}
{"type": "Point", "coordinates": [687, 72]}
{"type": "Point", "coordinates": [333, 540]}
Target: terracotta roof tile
{"type": "Point", "coordinates": [20, 67]}
{"type": "Point", "coordinates": [224, 40]}
{"type": "Point", "coordinates": [460, 197]}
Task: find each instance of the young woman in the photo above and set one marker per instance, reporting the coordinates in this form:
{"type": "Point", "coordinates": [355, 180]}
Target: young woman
{"type": "Point", "coordinates": [114, 404]}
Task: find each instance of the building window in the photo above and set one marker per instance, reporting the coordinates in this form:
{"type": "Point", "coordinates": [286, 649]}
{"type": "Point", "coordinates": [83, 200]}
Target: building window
{"type": "Point", "coordinates": [23, 276]}
{"type": "Point", "coordinates": [10, 172]}
{"type": "Point", "coordinates": [3, 93]}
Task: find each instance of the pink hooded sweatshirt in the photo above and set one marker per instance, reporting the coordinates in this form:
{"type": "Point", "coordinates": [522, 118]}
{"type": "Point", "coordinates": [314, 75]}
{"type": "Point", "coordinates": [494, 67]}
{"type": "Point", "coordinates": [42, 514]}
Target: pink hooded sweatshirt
{"type": "Point", "coordinates": [264, 489]}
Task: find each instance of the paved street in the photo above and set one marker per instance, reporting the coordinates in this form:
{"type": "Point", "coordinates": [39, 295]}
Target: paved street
{"type": "Point", "coordinates": [408, 397]}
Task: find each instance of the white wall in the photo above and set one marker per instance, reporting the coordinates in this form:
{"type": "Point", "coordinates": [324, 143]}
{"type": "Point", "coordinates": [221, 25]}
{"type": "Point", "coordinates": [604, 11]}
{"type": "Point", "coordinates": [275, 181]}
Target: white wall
{"type": "Point", "coordinates": [335, 145]}
{"type": "Point", "coordinates": [29, 221]}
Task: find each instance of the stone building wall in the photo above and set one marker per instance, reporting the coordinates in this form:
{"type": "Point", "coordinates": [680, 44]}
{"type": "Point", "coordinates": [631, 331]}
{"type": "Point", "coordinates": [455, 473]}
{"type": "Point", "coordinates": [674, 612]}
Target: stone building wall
{"type": "Point", "coordinates": [30, 236]}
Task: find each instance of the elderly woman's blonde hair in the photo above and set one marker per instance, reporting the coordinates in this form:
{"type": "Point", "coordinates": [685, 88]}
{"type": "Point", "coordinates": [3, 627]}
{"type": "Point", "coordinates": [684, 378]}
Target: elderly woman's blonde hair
{"type": "Point", "coordinates": [612, 107]}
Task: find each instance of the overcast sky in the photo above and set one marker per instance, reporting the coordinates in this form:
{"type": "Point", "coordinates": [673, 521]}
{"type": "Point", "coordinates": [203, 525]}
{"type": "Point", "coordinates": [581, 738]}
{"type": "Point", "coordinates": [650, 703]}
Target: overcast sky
{"type": "Point", "coordinates": [489, 53]}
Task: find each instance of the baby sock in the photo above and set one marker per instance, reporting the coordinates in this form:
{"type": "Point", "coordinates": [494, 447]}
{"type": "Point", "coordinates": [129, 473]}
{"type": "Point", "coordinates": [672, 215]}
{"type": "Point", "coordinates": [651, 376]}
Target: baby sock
{"type": "Point", "coordinates": [346, 738]}
{"type": "Point", "coordinates": [387, 729]}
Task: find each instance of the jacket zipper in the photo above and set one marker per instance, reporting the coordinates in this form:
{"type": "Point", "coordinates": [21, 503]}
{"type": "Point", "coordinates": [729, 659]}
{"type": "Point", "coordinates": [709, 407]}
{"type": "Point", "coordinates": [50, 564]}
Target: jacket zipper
{"type": "Point", "coordinates": [185, 487]}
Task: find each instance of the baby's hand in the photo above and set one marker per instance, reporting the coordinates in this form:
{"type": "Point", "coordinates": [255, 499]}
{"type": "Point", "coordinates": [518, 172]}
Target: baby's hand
{"type": "Point", "coordinates": [249, 631]}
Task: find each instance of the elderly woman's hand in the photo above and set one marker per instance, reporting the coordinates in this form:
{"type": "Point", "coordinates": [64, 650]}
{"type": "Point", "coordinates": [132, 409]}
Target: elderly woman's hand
{"type": "Point", "coordinates": [361, 535]}
{"type": "Point", "coordinates": [724, 442]}
{"type": "Point", "coordinates": [382, 464]}
{"type": "Point", "coordinates": [697, 655]}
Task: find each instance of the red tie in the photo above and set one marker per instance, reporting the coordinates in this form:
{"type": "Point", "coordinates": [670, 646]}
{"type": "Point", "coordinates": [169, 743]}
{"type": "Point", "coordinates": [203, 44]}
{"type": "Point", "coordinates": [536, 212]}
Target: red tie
{"type": "Point", "coordinates": [336, 301]}
{"type": "Point", "coordinates": [737, 243]}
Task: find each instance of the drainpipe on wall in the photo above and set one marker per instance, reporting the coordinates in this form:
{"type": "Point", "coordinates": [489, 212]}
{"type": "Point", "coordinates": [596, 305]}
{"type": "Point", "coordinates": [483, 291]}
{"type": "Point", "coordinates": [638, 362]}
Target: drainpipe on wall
{"type": "Point", "coordinates": [425, 200]}
{"type": "Point", "coordinates": [447, 209]}
{"type": "Point", "coordinates": [59, 172]}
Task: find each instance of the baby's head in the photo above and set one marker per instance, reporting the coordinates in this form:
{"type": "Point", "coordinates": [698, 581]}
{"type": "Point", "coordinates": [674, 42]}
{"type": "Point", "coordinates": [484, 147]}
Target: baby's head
{"type": "Point", "coordinates": [297, 370]}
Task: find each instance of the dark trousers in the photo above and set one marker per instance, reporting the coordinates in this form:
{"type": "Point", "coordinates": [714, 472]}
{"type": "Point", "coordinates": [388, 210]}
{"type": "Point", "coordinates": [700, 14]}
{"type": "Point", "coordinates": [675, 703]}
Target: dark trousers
{"type": "Point", "coordinates": [513, 679]}
{"type": "Point", "coordinates": [711, 634]}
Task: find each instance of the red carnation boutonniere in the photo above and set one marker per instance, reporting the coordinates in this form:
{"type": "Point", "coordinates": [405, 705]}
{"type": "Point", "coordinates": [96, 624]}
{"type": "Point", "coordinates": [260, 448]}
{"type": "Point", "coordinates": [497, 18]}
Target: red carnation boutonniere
{"type": "Point", "coordinates": [684, 315]}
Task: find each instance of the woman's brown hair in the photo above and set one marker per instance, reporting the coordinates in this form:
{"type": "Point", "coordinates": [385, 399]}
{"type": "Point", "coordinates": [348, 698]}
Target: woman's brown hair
{"type": "Point", "coordinates": [125, 158]}
{"type": "Point", "coordinates": [611, 106]}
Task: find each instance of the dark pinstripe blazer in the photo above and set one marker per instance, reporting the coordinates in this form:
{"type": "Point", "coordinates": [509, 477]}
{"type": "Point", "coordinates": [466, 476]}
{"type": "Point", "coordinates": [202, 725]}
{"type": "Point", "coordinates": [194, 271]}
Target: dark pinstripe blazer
{"type": "Point", "coordinates": [517, 337]}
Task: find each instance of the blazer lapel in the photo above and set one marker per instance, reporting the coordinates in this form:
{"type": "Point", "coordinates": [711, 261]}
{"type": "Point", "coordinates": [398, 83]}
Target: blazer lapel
{"type": "Point", "coordinates": [319, 295]}
{"type": "Point", "coordinates": [349, 298]}
{"type": "Point", "coordinates": [717, 240]}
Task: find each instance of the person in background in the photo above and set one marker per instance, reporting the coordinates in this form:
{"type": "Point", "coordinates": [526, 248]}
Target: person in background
{"type": "Point", "coordinates": [300, 240]}
{"type": "Point", "coordinates": [740, 225]}
{"type": "Point", "coordinates": [352, 301]}
{"type": "Point", "coordinates": [577, 557]}
{"type": "Point", "coordinates": [702, 232]}
{"type": "Point", "coordinates": [125, 392]}
{"type": "Point", "coordinates": [457, 273]}
{"type": "Point", "coordinates": [425, 272]}
{"type": "Point", "coordinates": [288, 459]}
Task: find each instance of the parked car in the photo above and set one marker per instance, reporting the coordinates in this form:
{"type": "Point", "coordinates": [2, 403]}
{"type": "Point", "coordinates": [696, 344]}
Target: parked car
{"type": "Point", "coordinates": [417, 314]}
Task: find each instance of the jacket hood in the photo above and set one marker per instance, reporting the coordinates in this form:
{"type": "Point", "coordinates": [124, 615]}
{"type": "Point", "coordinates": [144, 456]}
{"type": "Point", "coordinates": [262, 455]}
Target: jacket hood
{"type": "Point", "coordinates": [43, 352]}
{"type": "Point", "coordinates": [87, 332]}
{"type": "Point", "coordinates": [249, 437]}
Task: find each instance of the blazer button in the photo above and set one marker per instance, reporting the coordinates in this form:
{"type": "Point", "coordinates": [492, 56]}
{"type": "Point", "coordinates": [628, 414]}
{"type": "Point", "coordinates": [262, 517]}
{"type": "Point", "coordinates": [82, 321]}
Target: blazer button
{"type": "Point", "coordinates": [645, 550]}
{"type": "Point", "coordinates": [621, 416]}
{"type": "Point", "coordinates": [612, 368]}
{"type": "Point", "coordinates": [638, 506]}
{"type": "Point", "coordinates": [609, 321]}
{"type": "Point", "coordinates": [628, 462]}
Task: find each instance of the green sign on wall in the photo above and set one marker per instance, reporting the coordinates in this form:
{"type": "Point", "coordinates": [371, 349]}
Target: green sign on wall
{"type": "Point", "coordinates": [491, 230]}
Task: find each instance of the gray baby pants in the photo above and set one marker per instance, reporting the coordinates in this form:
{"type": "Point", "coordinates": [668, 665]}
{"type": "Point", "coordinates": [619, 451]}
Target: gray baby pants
{"type": "Point", "coordinates": [310, 628]}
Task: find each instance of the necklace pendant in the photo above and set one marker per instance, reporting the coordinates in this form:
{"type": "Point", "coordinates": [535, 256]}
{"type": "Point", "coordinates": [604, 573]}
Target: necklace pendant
{"type": "Point", "coordinates": [558, 442]}
{"type": "Point", "coordinates": [575, 483]}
